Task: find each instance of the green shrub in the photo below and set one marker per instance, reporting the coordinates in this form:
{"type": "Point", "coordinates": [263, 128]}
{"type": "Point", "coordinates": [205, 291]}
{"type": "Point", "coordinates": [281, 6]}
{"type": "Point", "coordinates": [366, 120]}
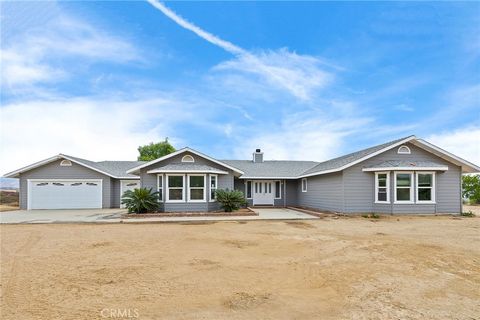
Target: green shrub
{"type": "Point", "coordinates": [141, 200]}
{"type": "Point", "coordinates": [371, 216]}
{"type": "Point", "coordinates": [469, 214]}
{"type": "Point", "coordinates": [230, 199]}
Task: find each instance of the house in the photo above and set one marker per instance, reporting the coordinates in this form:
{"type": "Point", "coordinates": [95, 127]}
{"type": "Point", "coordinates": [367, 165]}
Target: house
{"type": "Point", "coordinates": [407, 175]}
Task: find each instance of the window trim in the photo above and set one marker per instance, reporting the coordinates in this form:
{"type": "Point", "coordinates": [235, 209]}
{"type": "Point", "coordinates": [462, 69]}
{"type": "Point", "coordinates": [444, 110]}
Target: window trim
{"type": "Point", "coordinates": [204, 187]}
{"type": "Point", "coordinates": [246, 189]}
{"type": "Point", "coordinates": [407, 151]}
{"type": "Point", "coordinates": [412, 186]}
{"type": "Point", "coordinates": [161, 190]}
{"type": "Point", "coordinates": [168, 188]}
{"type": "Point", "coordinates": [306, 185]}
{"type": "Point", "coordinates": [65, 163]}
{"type": "Point", "coordinates": [387, 186]}
{"type": "Point", "coordinates": [433, 201]}
{"type": "Point", "coordinates": [280, 191]}
{"type": "Point", "coordinates": [188, 156]}
{"type": "Point", "coordinates": [210, 186]}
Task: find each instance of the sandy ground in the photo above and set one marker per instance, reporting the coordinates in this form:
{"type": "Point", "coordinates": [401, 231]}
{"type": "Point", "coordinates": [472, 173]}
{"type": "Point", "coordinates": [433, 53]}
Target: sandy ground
{"type": "Point", "coordinates": [474, 209]}
{"type": "Point", "coordinates": [7, 207]}
{"type": "Point", "coordinates": [348, 268]}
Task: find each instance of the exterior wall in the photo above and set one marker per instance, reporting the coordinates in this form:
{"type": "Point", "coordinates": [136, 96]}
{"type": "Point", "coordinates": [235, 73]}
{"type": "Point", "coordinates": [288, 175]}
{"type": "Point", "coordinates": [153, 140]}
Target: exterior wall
{"type": "Point", "coordinates": [149, 180]}
{"type": "Point", "coordinates": [53, 170]}
{"type": "Point", "coordinates": [359, 186]}
{"type": "Point", "coordinates": [115, 192]}
{"type": "Point", "coordinates": [324, 192]}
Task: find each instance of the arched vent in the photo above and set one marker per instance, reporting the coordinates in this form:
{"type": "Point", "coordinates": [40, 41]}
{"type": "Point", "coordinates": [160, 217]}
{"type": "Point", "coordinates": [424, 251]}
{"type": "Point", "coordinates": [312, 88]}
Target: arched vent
{"type": "Point", "coordinates": [66, 163]}
{"type": "Point", "coordinates": [188, 158]}
{"type": "Point", "coordinates": [403, 150]}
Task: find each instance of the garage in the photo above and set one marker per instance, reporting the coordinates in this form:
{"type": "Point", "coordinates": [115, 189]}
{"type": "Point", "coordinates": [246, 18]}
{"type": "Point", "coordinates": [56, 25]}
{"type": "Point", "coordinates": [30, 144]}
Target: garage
{"type": "Point", "coordinates": [64, 194]}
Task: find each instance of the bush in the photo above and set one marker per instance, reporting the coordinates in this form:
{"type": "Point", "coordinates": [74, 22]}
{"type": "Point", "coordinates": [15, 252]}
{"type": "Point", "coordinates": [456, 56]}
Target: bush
{"type": "Point", "coordinates": [469, 214]}
{"type": "Point", "coordinates": [230, 199]}
{"type": "Point", "coordinates": [371, 216]}
{"type": "Point", "coordinates": [141, 200]}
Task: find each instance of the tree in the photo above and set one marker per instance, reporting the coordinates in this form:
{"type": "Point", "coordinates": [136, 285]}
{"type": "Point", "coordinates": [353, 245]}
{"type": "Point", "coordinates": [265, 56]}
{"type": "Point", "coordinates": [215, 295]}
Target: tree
{"type": "Point", "coordinates": [471, 188]}
{"type": "Point", "coordinates": [154, 151]}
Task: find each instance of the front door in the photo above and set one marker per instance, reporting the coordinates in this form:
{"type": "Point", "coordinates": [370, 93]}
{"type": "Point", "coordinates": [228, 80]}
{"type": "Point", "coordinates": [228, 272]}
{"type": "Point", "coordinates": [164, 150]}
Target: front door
{"type": "Point", "coordinates": [263, 192]}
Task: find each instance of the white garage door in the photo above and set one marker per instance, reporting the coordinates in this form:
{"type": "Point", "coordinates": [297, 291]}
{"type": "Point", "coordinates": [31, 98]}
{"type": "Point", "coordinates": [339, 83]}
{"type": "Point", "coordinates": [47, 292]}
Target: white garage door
{"type": "Point", "coordinates": [65, 194]}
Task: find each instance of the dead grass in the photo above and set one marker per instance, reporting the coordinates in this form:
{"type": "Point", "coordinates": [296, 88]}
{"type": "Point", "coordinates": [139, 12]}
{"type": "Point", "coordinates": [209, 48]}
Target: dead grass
{"type": "Point", "coordinates": [393, 268]}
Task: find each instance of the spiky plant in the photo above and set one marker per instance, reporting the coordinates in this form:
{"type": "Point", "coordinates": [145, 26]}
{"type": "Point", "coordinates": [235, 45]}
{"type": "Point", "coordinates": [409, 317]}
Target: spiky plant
{"type": "Point", "coordinates": [141, 200]}
{"type": "Point", "coordinates": [230, 199]}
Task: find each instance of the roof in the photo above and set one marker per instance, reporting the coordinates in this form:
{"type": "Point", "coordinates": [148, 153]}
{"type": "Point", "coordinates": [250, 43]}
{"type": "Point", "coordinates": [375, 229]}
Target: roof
{"type": "Point", "coordinates": [405, 165]}
{"type": "Point", "coordinates": [271, 168]}
{"type": "Point", "coordinates": [187, 167]}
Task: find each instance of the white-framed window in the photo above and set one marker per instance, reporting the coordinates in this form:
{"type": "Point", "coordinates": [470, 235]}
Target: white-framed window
{"type": "Point", "coordinates": [66, 163]}
{"type": "Point", "coordinates": [403, 150]}
{"type": "Point", "coordinates": [382, 187]}
{"type": "Point", "coordinates": [248, 189]}
{"type": "Point", "coordinates": [403, 187]}
{"type": "Point", "coordinates": [160, 187]}
{"type": "Point", "coordinates": [425, 187]}
{"type": "Point", "coordinates": [278, 189]}
{"type": "Point", "coordinates": [196, 188]}
{"type": "Point", "coordinates": [188, 158]}
{"type": "Point", "coordinates": [304, 185]}
{"type": "Point", "coordinates": [213, 187]}
{"type": "Point", "coordinates": [175, 188]}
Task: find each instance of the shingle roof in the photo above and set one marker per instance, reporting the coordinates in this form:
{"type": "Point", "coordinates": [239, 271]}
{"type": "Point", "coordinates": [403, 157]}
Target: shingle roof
{"type": "Point", "coordinates": [271, 168]}
{"type": "Point", "coordinates": [186, 167]}
{"type": "Point", "coordinates": [339, 162]}
{"type": "Point", "coordinates": [114, 168]}
{"type": "Point", "coordinates": [406, 164]}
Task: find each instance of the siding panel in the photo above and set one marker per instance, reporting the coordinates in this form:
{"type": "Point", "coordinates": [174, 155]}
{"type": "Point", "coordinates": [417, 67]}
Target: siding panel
{"type": "Point", "coordinates": [324, 192]}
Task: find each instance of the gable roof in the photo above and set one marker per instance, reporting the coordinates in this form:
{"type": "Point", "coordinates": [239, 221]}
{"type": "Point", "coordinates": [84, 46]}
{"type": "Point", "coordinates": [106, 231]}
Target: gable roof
{"type": "Point", "coordinates": [186, 167]}
{"type": "Point", "coordinates": [279, 169]}
{"type": "Point", "coordinates": [186, 149]}
{"type": "Point", "coordinates": [406, 165]}
{"type": "Point", "coordinates": [114, 169]}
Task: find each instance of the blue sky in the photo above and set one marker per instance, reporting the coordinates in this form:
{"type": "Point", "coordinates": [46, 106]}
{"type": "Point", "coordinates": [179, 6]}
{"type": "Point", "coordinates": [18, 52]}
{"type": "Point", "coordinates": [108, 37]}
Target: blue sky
{"type": "Point", "coordinates": [309, 80]}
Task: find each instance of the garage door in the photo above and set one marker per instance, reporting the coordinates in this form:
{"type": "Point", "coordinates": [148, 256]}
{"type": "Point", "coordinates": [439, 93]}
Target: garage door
{"type": "Point", "coordinates": [65, 194]}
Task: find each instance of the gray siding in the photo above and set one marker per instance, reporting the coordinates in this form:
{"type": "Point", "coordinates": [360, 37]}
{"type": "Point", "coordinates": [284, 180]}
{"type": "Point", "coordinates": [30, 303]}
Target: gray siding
{"type": "Point", "coordinates": [225, 181]}
{"type": "Point", "coordinates": [359, 186]}
{"type": "Point", "coordinates": [115, 193]}
{"type": "Point", "coordinates": [53, 170]}
{"type": "Point", "coordinates": [324, 192]}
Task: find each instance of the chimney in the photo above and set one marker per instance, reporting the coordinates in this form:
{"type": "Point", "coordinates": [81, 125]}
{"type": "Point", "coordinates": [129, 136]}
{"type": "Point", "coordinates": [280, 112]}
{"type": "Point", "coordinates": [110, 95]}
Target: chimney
{"type": "Point", "coordinates": [258, 156]}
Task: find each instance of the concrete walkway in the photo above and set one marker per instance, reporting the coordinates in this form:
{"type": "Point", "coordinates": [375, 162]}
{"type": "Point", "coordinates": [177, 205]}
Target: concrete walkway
{"type": "Point", "coordinates": [113, 216]}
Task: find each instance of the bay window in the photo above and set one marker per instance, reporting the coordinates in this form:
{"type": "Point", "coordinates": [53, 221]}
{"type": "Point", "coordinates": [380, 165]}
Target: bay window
{"type": "Point", "coordinates": [425, 187]}
{"type": "Point", "coordinates": [403, 187]}
{"type": "Point", "coordinates": [196, 188]}
{"type": "Point", "coordinates": [382, 187]}
{"type": "Point", "coordinates": [175, 190]}
{"type": "Point", "coordinates": [213, 187]}
{"type": "Point", "coordinates": [160, 187]}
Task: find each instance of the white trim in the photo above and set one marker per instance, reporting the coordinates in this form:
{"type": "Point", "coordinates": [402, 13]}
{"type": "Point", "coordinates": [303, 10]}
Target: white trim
{"type": "Point", "coordinates": [406, 148]}
{"type": "Point", "coordinates": [433, 201]}
{"type": "Point", "coordinates": [29, 188]}
{"type": "Point", "coordinates": [412, 186]}
{"type": "Point", "coordinates": [387, 186]}
{"type": "Point", "coordinates": [266, 178]}
{"type": "Point", "coordinates": [447, 155]}
{"type": "Point", "coordinates": [359, 160]}
{"type": "Point", "coordinates": [275, 191]}
{"type": "Point", "coordinates": [121, 188]}
{"type": "Point", "coordinates": [306, 185]}
{"type": "Point", "coordinates": [204, 187]}
{"type": "Point", "coordinates": [179, 152]}
{"type": "Point", "coordinates": [210, 186]}
{"type": "Point", "coordinates": [162, 193]}
{"type": "Point", "coordinates": [246, 189]}
{"type": "Point", "coordinates": [445, 168]}
{"type": "Point", "coordinates": [187, 171]}
{"type": "Point", "coordinates": [65, 163]}
{"type": "Point", "coordinates": [168, 189]}
{"type": "Point", "coordinates": [185, 157]}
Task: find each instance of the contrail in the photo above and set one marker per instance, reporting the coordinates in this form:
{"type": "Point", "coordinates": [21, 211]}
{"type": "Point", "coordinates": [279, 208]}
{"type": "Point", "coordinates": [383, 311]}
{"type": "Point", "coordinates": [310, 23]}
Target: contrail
{"type": "Point", "coordinates": [228, 46]}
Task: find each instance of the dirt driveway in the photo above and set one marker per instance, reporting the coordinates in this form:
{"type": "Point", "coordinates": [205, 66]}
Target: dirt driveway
{"type": "Point", "coordinates": [349, 268]}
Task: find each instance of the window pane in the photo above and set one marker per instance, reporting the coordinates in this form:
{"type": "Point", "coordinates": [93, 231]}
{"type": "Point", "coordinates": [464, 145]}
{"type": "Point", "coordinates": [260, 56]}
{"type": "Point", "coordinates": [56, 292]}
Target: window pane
{"type": "Point", "coordinates": [382, 180]}
{"type": "Point", "coordinates": [196, 181]}
{"type": "Point", "coordinates": [160, 182]}
{"type": "Point", "coordinates": [277, 189]}
{"type": "Point", "coordinates": [213, 181]}
{"type": "Point", "coordinates": [403, 194]}
{"type": "Point", "coordinates": [196, 194]}
{"type": "Point", "coordinates": [256, 187]}
{"type": "Point", "coordinates": [382, 196]}
{"type": "Point", "coordinates": [424, 194]}
{"type": "Point", "coordinates": [160, 194]}
{"type": "Point", "coordinates": [249, 189]}
{"type": "Point", "coordinates": [403, 179]}
{"type": "Point", "coordinates": [176, 194]}
{"type": "Point", "coordinates": [425, 180]}
{"type": "Point", "coordinates": [175, 181]}
{"type": "Point", "coordinates": [260, 187]}
{"type": "Point", "coordinates": [212, 194]}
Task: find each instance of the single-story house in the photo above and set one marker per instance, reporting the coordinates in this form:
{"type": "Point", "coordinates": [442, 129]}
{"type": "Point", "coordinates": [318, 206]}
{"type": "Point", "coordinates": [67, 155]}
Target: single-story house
{"type": "Point", "coordinates": [407, 175]}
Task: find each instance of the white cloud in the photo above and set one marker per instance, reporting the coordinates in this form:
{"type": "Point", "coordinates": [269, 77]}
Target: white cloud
{"type": "Point", "coordinates": [464, 142]}
{"type": "Point", "coordinates": [404, 107]}
{"type": "Point", "coordinates": [300, 75]}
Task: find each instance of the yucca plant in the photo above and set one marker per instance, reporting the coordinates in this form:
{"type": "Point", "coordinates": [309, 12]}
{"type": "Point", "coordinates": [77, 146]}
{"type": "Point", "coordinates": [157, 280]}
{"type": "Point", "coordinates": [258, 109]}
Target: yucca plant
{"type": "Point", "coordinates": [230, 199]}
{"type": "Point", "coordinates": [141, 200]}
